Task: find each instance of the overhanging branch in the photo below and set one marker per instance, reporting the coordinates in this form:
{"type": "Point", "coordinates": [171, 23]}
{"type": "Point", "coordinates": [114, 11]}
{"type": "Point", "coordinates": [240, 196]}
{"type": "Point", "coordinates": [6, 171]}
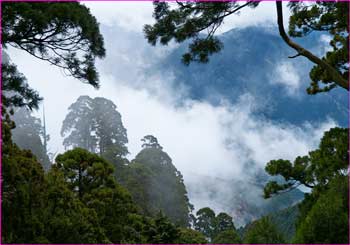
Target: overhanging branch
{"type": "Point", "coordinates": [336, 76]}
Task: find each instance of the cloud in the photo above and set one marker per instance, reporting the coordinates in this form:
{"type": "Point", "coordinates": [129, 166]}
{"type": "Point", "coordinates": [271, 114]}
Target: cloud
{"type": "Point", "coordinates": [285, 74]}
{"type": "Point", "coordinates": [324, 43]}
{"type": "Point", "coordinates": [132, 16]}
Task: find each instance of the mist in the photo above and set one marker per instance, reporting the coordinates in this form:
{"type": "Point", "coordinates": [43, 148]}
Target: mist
{"type": "Point", "coordinates": [205, 141]}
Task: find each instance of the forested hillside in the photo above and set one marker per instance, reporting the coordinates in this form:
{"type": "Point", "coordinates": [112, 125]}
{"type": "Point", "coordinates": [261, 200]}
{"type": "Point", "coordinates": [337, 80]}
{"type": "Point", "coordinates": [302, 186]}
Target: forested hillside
{"type": "Point", "coordinates": [284, 220]}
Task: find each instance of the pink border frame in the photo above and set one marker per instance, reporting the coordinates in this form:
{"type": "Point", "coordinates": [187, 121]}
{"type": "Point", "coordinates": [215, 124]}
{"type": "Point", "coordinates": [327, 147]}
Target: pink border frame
{"type": "Point", "coordinates": [130, 1]}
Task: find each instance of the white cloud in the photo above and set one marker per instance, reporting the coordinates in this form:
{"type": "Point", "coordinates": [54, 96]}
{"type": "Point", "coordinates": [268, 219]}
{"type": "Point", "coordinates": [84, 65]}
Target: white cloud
{"type": "Point", "coordinates": [285, 74]}
{"type": "Point", "coordinates": [325, 40]}
{"type": "Point", "coordinates": [264, 15]}
{"type": "Point", "coordinates": [130, 15]}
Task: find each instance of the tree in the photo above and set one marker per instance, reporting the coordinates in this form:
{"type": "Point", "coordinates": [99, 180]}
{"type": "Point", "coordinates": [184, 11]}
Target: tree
{"type": "Point", "coordinates": [162, 230]}
{"type": "Point", "coordinates": [227, 237]}
{"type": "Point", "coordinates": [91, 178]}
{"type": "Point", "coordinates": [215, 227]}
{"type": "Point", "coordinates": [64, 34]}
{"type": "Point", "coordinates": [95, 125]}
{"type": "Point", "coordinates": [108, 126]}
{"type": "Point", "coordinates": [162, 178]}
{"type": "Point", "coordinates": [315, 170]}
{"type": "Point", "coordinates": [84, 171]}
{"type": "Point", "coordinates": [66, 219]}
{"type": "Point", "coordinates": [189, 236]}
{"type": "Point", "coordinates": [190, 19]}
{"type": "Point", "coordinates": [205, 222]}
{"type": "Point", "coordinates": [22, 191]}
{"type": "Point", "coordinates": [29, 134]}
{"type": "Point", "coordinates": [150, 177]}
{"type": "Point", "coordinates": [224, 222]}
{"type": "Point", "coordinates": [78, 126]}
{"type": "Point", "coordinates": [149, 141]}
{"type": "Point", "coordinates": [15, 89]}
{"type": "Point", "coordinates": [138, 179]}
{"type": "Point", "coordinates": [326, 220]}
{"type": "Point", "coordinates": [263, 231]}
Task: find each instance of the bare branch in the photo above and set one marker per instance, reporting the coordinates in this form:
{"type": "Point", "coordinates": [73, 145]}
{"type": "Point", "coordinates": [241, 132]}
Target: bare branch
{"type": "Point", "coordinates": [294, 56]}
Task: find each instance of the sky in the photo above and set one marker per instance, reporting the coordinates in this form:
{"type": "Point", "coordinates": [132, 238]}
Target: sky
{"type": "Point", "coordinates": [202, 139]}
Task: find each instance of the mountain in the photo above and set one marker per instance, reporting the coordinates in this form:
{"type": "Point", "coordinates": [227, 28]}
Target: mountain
{"type": "Point", "coordinates": [255, 60]}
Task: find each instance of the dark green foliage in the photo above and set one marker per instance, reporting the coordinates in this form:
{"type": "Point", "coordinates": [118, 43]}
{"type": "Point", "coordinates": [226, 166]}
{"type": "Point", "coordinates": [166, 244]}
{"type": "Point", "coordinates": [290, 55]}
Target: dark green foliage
{"type": "Point", "coordinates": [284, 220]}
{"type": "Point", "coordinates": [263, 231]}
{"type": "Point", "coordinates": [63, 34]}
{"type": "Point", "coordinates": [317, 169]}
{"type": "Point", "coordinates": [95, 125]}
{"type": "Point", "coordinates": [331, 17]}
{"type": "Point", "coordinates": [218, 228]}
{"type": "Point", "coordinates": [38, 208]}
{"type": "Point", "coordinates": [22, 191]}
{"type": "Point", "coordinates": [66, 218]}
{"type": "Point", "coordinates": [29, 134]}
{"type": "Point", "coordinates": [85, 171]}
{"type": "Point", "coordinates": [188, 20]}
{"type": "Point", "coordinates": [91, 178]}
{"type": "Point", "coordinates": [22, 196]}
{"type": "Point", "coordinates": [224, 222]}
{"type": "Point", "coordinates": [163, 231]}
{"type": "Point", "coordinates": [205, 222]}
{"type": "Point", "coordinates": [189, 236]}
{"type": "Point", "coordinates": [15, 89]}
{"type": "Point", "coordinates": [227, 237]}
{"type": "Point", "coordinates": [137, 178]}
{"type": "Point", "coordinates": [324, 216]}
